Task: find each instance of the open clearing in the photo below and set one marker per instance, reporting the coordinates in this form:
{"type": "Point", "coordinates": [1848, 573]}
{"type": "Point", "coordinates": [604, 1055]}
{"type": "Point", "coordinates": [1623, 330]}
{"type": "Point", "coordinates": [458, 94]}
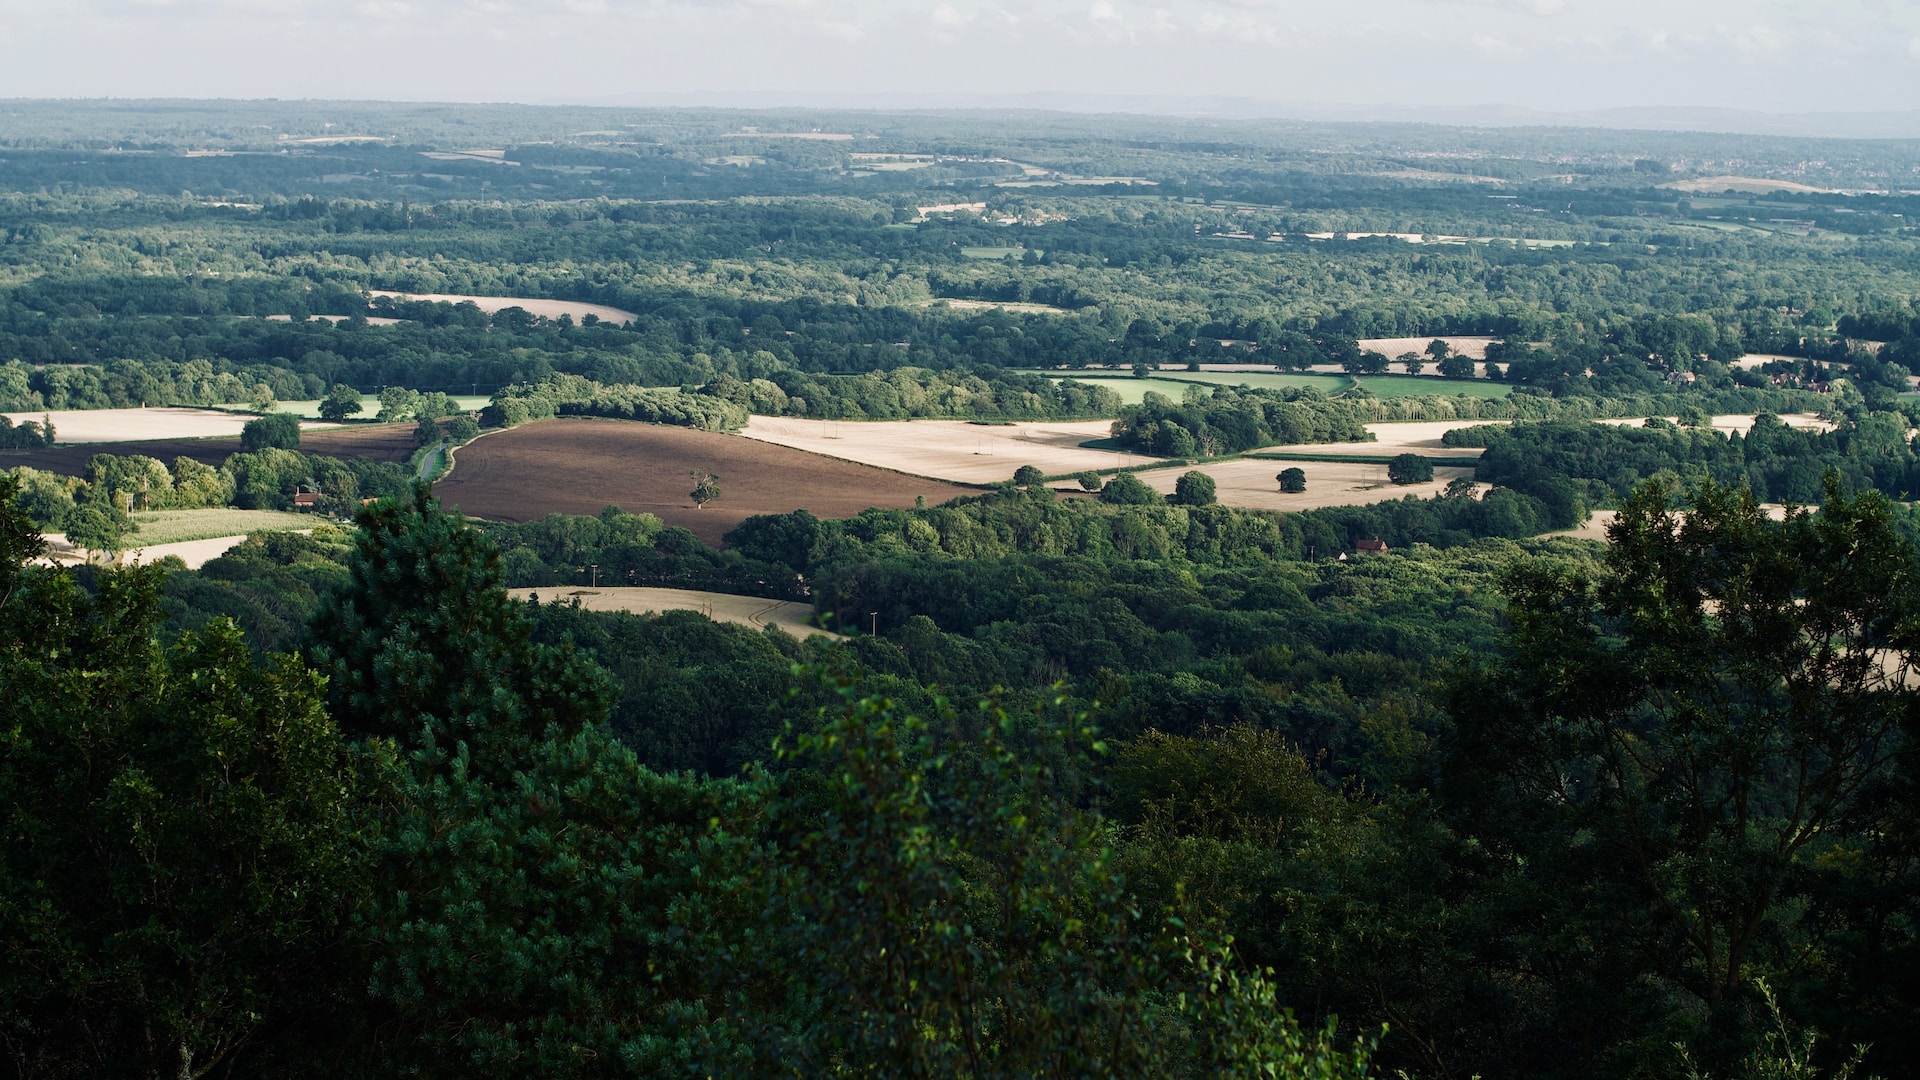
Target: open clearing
{"type": "Point", "coordinates": [1403, 437]}
{"type": "Point", "coordinates": [1001, 305]}
{"type": "Point", "coordinates": [951, 449]}
{"type": "Point", "coordinates": [1260, 380]}
{"type": "Point", "coordinates": [372, 320]}
{"type": "Point", "coordinates": [1752, 185]}
{"type": "Point", "coordinates": [1596, 526]}
{"type": "Point", "coordinates": [750, 611]}
{"type": "Point", "coordinates": [1475, 347]}
{"type": "Point", "coordinates": [1393, 386]}
{"type": "Point", "coordinates": [195, 553]}
{"type": "Point", "coordinates": [551, 309]}
{"type": "Point", "coordinates": [1732, 422]}
{"type": "Point", "coordinates": [1252, 483]}
{"type": "Point", "coordinates": [178, 526]}
{"type": "Point", "coordinates": [138, 425]}
{"type": "Point", "coordinates": [578, 466]}
{"type": "Point", "coordinates": [1133, 389]}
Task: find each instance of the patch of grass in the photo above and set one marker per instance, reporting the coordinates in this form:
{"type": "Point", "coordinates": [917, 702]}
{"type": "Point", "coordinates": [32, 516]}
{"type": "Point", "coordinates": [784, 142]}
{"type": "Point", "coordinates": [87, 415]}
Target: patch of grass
{"type": "Point", "coordinates": [175, 526]}
{"type": "Point", "coordinates": [1131, 390]}
{"type": "Point", "coordinates": [1260, 380]}
{"type": "Point", "coordinates": [1393, 386]}
{"type": "Point", "coordinates": [993, 252]}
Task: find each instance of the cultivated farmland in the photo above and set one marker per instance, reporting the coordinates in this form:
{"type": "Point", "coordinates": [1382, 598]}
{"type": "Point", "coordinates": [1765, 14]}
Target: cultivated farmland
{"type": "Point", "coordinates": [551, 309]}
{"type": "Point", "coordinates": [137, 425]}
{"type": "Point", "coordinates": [1250, 482]}
{"type": "Point", "coordinates": [951, 449]}
{"type": "Point", "coordinates": [579, 466]}
{"type": "Point", "coordinates": [720, 607]}
{"type": "Point", "coordinates": [383, 442]}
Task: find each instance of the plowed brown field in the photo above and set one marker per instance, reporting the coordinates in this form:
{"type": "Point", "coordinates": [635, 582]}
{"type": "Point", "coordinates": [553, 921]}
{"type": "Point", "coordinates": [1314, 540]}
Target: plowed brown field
{"type": "Point", "coordinates": [579, 466]}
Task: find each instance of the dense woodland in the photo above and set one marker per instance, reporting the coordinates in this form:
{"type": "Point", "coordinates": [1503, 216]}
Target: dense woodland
{"type": "Point", "coordinates": [1108, 785]}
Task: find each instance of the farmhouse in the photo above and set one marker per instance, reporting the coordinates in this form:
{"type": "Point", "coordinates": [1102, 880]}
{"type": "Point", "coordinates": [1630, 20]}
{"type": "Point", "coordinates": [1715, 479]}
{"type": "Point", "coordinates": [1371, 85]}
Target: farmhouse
{"type": "Point", "coordinates": [1371, 547]}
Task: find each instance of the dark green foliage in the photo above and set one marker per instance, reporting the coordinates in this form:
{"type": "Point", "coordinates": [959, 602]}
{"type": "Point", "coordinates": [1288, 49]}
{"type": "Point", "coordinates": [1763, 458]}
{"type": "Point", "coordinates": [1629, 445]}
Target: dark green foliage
{"type": "Point", "coordinates": [1003, 942]}
{"type": "Point", "coordinates": [341, 402]}
{"type": "Point", "coordinates": [424, 644]}
{"type": "Point", "coordinates": [1193, 489]}
{"type": "Point", "coordinates": [574, 395]}
{"type": "Point", "coordinates": [26, 435]}
{"type": "Point", "coordinates": [1693, 747]}
{"type": "Point", "coordinates": [1126, 489]}
{"type": "Point", "coordinates": [1558, 461]}
{"type": "Point", "coordinates": [1409, 469]}
{"type": "Point", "coordinates": [1089, 480]}
{"type": "Point", "coordinates": [177, 837]}
{"type": "Point", "coordinates": [1293, 480]}
{"type": "Point", "coordinates": [275, 431]}
{"type": "Point", "coordinates": [1228, 421]}
{"type": "Point", "coordinates": [1028, 476]}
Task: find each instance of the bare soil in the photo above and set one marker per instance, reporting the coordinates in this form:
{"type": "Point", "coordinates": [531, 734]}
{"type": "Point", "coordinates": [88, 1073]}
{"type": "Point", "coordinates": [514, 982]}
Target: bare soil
{"type": "Point", "coordinates": [578, 466]}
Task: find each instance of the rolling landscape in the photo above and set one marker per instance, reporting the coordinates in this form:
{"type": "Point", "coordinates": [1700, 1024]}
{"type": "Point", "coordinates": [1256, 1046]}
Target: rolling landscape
{"type": "Point", "coordinates": [499, 590]}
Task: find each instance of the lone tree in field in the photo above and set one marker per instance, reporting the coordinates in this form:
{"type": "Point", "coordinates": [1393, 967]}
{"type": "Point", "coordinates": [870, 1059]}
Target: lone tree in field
{"type": "Point", "coordinates": [706, 488]}
{"type": "Point", "coordinates": [1409, 469]}
{"type": "Point", "coordinates": [1089, 480]}
{"type": "Point", "coordinates": [274, 431]}
{"type": "Point", "coordinates": [1413, 362]}
{"type": "Point", "coordinates": [341, 402]}
{"type": "Point", "coordinates": [1292, 481]}
{"type": "Point", "coordinates": [1193, 489]}
{"type": "Point", "coordinates": [1028, 476]}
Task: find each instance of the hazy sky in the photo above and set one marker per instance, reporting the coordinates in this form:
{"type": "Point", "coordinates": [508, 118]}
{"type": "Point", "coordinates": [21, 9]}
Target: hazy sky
{"type": "Point", "coordinates": [1771, 55]}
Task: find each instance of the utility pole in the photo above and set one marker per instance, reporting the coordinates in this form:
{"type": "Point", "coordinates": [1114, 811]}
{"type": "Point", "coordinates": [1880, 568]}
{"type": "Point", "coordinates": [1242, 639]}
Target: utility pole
{"type": "Point", "coordinates": [593, 569]}
{"type": "Point", "coordinates": [876, 622]}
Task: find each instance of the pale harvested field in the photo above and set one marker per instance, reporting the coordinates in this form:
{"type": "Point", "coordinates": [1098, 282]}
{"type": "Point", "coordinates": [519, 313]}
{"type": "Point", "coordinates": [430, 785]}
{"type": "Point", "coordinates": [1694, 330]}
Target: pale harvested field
{"type": "Point", "coordinates": [1475, 347]}
{"type": "Point", "coordinates": [752, 611]}
{"type": "Point", "coordinates": [551, 309]}
{"type": "Point", "coordinates": [1002, 305]}
{"type": "Point", "coordinates": [950, 449]}
{"type": "Point", "coordinates": [1596, 526]}
{"type": "Point", "coordinates": [1410, 437]}
{"type": "Point", "coordinates": [1752, 185]}
{"type": "Point", "coordinates": [139, 425]}
{"type": "Point", "coordinates": [372, 320]}
{"type": "Point", "coordinates": [195, 553]}
{"type": "Point", "coordinates": [1253, 483]}
{"type": "Point", "coordinates": [1740, 422]}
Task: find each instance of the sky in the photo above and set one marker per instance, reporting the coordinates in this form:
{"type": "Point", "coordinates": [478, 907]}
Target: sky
{"type": "Point", "coordinates": [1781, 56]}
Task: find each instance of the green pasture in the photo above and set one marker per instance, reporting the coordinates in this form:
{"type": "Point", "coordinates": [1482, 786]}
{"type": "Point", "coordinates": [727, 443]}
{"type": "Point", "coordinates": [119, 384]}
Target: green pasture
{"type": "Point", "coordinates": [1393, 386]}
{"type": "Point", "coordinates": [1131, 390]}
{"type": "Point", "coordinates": [993, 252]}
{"type": "Point", "coordinates": [176, 526]}
{"type": "Point", "coordinates": [1260, 380]}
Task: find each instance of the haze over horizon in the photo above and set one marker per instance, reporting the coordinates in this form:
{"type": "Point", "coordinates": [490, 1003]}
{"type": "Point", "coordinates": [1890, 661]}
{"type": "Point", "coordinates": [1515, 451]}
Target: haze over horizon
{"type": "Point", "coordinates": [1471, 61]}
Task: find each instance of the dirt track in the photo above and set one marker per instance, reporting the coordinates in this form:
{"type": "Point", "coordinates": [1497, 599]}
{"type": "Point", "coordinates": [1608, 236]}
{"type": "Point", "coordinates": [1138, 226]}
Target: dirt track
{"type": "Point", "coordinates": [579, 466]}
